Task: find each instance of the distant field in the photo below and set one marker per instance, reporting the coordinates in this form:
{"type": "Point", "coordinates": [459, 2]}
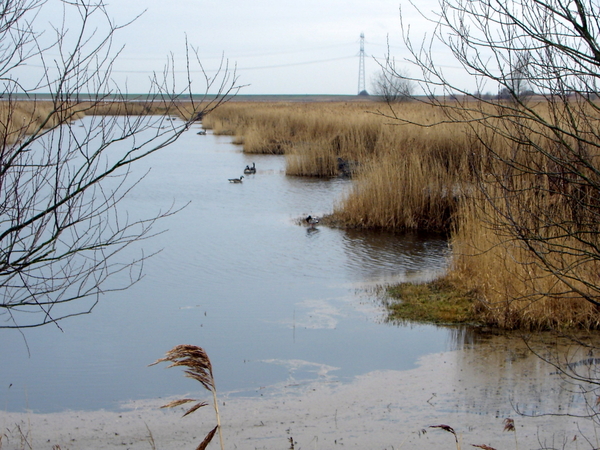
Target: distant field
{"type": "Point", "coordinates": [304, 98]}
{"type": "Point", "coordinates": [198, 97]}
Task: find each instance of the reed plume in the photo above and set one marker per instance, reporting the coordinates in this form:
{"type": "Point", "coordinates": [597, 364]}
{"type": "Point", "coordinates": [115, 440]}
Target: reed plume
{"type": "Point", "coordinates": [450, 430]}
{"type": "Point", "coordinates": [509, 425]}
{"type": "Point", "coordinates": [200, 369]}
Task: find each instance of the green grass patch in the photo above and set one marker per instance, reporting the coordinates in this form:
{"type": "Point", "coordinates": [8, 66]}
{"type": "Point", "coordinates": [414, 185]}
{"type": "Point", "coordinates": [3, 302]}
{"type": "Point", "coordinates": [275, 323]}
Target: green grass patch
{"type": "Point", "coordinates": [438, 301]}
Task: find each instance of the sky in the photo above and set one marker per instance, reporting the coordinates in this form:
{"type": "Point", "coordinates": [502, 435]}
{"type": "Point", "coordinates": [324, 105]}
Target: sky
{"type": "Point", "coordinates": [277, 47]}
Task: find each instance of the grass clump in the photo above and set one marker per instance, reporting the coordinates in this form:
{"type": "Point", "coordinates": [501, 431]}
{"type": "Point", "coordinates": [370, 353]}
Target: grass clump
{"type": "Point", "coordinates": [439, 301]}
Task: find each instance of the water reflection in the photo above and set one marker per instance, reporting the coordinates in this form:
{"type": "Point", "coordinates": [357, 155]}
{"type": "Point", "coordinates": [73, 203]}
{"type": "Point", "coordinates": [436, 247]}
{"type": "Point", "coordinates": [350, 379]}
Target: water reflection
{"type": "Point", "coordinates": [270, 300]}
{"type": "Point", "coordinates": [532, 374]}
{"type": "Point", "coordinates": [311, 231]}
{"type": "Point", "coordinates": [386, 257]}
{"type": "Point", "coordinates": [462, 337]}
{"type": "Point", "coordinates": [237, 275]}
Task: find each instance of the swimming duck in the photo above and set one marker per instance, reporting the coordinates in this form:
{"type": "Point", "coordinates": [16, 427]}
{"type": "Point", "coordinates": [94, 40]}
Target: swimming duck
{"type": "Point", "coordinates": [249, 169]}
{"type": "Point", "coordinates": [311, 220]}
{"type": "Point", "coordinates": [236, 180]}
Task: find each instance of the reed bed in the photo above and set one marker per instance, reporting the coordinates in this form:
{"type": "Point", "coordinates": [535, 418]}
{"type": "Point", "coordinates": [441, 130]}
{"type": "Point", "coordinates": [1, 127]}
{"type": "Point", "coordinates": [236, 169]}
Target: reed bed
{"type": "Point", "coordinates": [491, 256]}
{"type": "Point", "coordinates": [18, 119]}
{"type": "Point", "coordinates": [112, 108]}
{"type": "Point", "coordinates": [181, 109]}
{"type": "Point", "coordinates": [22, 118]}
{"type": "Point", "coordinates": [347, 128]}
{"type": "Point", "coordinates": [512, 290]}
{"type": "Point", "coordinates": [406, 177]}
{"type": "Point", "coordinates": [409, 177]}
{"type": "Point", "coordinates": [415, 184]}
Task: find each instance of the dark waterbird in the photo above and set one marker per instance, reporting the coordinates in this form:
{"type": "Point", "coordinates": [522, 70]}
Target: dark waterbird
{"type": "Point", "coordinates": [236, 180]}
{"type": "Point", "coordinates": [312, 220]}
{"type": "Point", "coordinates": [249, 169]}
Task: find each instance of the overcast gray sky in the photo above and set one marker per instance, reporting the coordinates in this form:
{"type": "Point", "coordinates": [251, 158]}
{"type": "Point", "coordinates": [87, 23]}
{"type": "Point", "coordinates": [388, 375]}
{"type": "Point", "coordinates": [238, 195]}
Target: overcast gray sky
{"type": "Point", "coordinates": [280, 47]}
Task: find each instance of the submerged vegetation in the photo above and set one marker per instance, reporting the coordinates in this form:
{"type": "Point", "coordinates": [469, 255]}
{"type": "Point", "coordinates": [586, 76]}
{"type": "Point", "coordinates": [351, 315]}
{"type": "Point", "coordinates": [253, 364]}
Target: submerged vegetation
{"type": "Point", "coordinates": [429, 177]}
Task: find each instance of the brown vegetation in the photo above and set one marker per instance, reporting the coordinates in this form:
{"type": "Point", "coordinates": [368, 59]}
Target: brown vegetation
{"type": "Point", "coordinates": [21, 118]}
{"type": "Point", "coordinates": [405, 177]}
{"type": "Point", "coordinates": [428, 178]}
{"type": "Point", "coordinates": [199, 368]}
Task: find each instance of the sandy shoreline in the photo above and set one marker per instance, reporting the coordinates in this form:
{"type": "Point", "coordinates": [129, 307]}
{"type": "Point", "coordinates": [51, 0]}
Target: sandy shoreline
{"type": "Point", "coordinates": [380, 410]}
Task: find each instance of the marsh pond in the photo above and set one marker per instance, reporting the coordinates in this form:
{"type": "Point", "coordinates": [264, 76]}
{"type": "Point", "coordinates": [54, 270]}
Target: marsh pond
{"type": "Point", "coordinates": [283, 309]}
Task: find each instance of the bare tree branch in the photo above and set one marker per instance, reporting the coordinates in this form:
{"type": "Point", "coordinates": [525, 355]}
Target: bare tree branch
{"type": "Point", "coordinates": [61, 227]}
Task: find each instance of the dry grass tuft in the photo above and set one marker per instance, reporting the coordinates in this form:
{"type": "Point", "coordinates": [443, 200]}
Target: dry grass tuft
{"type": "Point", "coordinates": [199, 368]}
{"type": "Point", "coordinates": [483, 446]}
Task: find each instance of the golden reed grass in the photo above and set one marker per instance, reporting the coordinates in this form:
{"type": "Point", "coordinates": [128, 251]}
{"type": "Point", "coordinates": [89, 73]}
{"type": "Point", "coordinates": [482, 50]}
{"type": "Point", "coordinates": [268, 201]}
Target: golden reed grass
{"type": "Point", "coordinates": [422, 178]}
{"type": "Point", "coordinates": [198, 367]}
{"type": "Point", "coordinates": [516, 290]}
{"type": "Point", "coordinates": [18, 119]}
{"type": "Point", "coordinates": [21, 118]}
{"type": "Point", "coordinates": [494, 242]}
{"type": "Point", "coordinates": [406, 177]}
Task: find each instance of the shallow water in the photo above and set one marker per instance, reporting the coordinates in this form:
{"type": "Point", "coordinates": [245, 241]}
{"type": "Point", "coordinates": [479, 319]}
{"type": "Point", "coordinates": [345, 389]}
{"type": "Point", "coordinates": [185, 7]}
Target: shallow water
{"type": "Point", "coordinates": [268, 298]}
{"type": "Point", "coordinates": [273, 302]}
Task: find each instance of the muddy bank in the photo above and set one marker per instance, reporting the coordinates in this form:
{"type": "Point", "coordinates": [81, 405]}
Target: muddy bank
{"type": "Point", "coordinates": [381, 410]}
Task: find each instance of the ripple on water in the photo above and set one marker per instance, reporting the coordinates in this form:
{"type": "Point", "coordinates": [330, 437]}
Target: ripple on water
{"type": "Point", "coordinates": [237, 275]}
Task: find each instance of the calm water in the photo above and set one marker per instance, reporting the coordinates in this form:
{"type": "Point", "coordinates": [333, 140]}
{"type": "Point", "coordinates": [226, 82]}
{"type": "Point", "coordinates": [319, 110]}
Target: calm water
{"type": "Point", "coordinates": [269, 299]}
{"type": "Point", "coordinates": [272, 301]}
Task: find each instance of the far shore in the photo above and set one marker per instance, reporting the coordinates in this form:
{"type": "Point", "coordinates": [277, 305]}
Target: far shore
{"type": "Point", "coordinates": [199, 97]}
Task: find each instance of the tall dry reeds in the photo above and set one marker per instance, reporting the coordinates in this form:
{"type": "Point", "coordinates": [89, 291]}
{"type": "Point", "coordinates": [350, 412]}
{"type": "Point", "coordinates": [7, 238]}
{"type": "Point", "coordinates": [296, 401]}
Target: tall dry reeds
{"type": "Point", "coordinates": [280, 128]}
{"type": "Point", "coordinates": [21, 118]}
{"type": "Point", "coordinates": [406, 177]}
{"type": "Point", "coordinates": [527, 230]}
{"type": "Point", "coordinates": [429, 178]}
{"type": "Point", "coordinates": [495, 242]}
{"type": "Point", "coordinates": [156, 107]}
{"type": "Point", "coordinates": [416, 183]}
